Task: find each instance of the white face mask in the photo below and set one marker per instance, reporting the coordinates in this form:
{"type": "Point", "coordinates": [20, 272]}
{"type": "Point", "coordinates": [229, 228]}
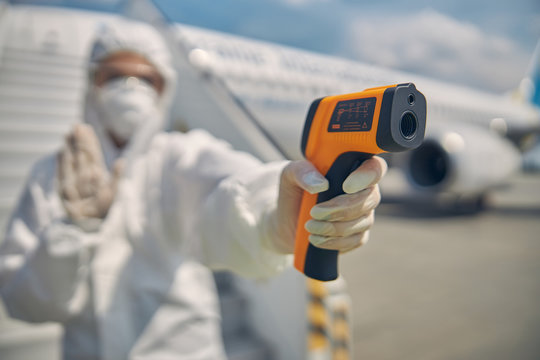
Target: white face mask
{"type": "Point", "coordinates": [125, 104]}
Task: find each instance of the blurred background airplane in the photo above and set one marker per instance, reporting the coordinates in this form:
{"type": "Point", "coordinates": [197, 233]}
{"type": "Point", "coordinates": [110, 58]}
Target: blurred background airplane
{"type": "Point", "coordinates": [255, 94]}
{"type": "Point", "coordinates": [474, 139]}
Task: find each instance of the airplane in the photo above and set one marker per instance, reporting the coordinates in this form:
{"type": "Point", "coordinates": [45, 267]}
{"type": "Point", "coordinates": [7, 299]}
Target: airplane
{"type": "Point", "coordinates": [255, 95]}
{"type": "Point", "coordinates": [262, 91]}
{"type": "Point", "coordinates": [473, 139]}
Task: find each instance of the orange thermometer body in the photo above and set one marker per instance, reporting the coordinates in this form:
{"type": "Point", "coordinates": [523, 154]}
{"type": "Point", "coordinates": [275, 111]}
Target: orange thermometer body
{"type": "Point", "coordinates": [340, 133]}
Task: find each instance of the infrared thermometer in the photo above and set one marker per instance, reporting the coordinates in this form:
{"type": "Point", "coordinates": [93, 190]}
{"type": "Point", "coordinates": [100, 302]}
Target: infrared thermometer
{"type": "Point", "coordinates": [340, 133]}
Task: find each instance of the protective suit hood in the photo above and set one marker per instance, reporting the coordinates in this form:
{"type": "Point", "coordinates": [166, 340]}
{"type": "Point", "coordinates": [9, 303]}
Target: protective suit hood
{"type": "Point", "coordinates": [140, 38]}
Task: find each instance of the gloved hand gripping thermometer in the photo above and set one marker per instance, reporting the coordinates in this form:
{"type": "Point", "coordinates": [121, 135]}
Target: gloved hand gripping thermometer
{"type": "Point", "coordinates": [340, 133]}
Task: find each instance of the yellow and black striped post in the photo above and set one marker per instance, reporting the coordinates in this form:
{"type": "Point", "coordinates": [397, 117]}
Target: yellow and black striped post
{"type": "Point", "coordinates": [341, 342]}
{"type": "Point", "coordinates": [318, 341]}
{"type": "Point", "coordinates": [328, 314]}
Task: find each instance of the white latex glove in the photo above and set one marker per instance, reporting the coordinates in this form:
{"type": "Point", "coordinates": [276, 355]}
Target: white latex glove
{"type": "Point", "coordinates": [341, 223]}
{"type": "Point", "coordinates": [85, 186]}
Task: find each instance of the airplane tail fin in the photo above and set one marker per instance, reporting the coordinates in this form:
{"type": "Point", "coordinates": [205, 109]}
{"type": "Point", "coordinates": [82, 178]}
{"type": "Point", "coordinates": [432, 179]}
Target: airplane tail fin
{"type": "Point", "coordinates": [529, 89]}
{"type": "Point", "coordinates": [535, 75]}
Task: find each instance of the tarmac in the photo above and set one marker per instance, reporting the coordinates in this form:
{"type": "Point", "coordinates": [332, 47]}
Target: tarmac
{"type": "Point", "coordinates": [439, 286]}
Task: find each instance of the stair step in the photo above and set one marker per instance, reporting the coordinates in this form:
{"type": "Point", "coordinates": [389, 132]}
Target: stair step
{"type": "Point", "coordinates": [13, 54]}
{"type": "Point", "coordinates": [39, 68]}
{"type": "Point", "coordinates": [41, 79]}
{"type": "Point", "coordinates": [21, 94]}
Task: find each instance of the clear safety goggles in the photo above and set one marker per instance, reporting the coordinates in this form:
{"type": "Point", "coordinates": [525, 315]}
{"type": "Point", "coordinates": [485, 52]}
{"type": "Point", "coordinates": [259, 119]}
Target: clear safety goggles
{"type": "Point", "coordinates": [117, 70]}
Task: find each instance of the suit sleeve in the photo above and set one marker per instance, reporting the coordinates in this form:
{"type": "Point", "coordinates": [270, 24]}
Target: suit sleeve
{"type": "Point", "coordinates": [239, 208]}
{"type": "Point", "coordinates": [236, 194]}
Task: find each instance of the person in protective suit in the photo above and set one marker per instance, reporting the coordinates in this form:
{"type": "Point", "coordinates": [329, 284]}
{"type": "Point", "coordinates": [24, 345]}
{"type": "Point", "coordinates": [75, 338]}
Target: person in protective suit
{"type": "Point", "coordinates": [115, 235]}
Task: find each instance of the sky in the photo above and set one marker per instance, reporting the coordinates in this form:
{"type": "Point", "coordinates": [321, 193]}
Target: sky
{"type": "Point", "coordinates": [483, 44]}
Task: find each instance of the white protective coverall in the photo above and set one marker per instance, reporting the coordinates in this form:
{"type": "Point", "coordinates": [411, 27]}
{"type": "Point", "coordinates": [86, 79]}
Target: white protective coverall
{"type": "Point", "coordinates": [139, 286]}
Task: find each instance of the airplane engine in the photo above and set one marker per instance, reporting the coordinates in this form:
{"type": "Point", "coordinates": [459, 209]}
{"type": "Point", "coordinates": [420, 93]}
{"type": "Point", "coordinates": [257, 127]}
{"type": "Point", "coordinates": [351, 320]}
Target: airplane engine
{"type": "Point", "coordinates": [463, 160]}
